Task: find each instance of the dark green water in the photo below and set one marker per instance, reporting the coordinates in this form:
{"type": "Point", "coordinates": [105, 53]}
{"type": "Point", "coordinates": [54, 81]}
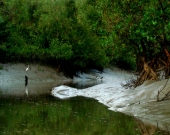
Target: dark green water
{"type": "Point", "coordinates": [46, 115]}
{"type": "Point", "coordinates": [42, 114]}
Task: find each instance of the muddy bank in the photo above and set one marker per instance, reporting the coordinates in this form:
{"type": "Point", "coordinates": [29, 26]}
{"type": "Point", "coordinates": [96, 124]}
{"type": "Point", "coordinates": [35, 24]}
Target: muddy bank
{"type": "Point", "coordinates": [40, 79]}
{"type": "Point", "coordinates": [139, 102]}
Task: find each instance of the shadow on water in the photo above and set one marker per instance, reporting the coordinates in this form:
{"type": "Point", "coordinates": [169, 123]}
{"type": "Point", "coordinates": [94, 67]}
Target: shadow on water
{"type": "Point", "coordinates": [83, 84]}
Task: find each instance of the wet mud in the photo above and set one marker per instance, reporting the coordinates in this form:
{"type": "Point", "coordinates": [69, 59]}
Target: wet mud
{"type": "Point", "coordinates": [140, 102]}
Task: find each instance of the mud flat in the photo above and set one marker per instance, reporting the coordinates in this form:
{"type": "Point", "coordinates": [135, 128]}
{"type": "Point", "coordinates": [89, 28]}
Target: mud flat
{"type": "Point", "coordinates": [140, 102]}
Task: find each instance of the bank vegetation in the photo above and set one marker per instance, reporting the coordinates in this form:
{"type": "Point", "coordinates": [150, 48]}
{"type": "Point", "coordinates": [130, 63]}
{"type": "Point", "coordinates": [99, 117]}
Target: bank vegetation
{"type": "Point", "coordinates": [75, 35]}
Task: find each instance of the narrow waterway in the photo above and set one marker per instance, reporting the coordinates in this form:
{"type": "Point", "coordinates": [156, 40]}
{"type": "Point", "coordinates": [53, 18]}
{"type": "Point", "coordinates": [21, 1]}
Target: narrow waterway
{"type": "Point", "coordinates": [38, 112]}
{"type": "Point", "coordinates": [44, 114]}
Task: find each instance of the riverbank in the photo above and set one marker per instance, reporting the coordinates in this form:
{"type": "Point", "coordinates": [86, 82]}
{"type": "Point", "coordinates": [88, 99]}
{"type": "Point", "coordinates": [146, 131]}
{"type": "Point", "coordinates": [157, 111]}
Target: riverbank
{"type": "Point", "coordinates": [139, 102]}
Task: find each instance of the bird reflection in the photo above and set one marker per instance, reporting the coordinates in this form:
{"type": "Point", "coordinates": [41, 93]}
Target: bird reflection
{"type": "Point", "coordinates": [26, 83]}
{"type": "Point", "coordinates": [26, 90]}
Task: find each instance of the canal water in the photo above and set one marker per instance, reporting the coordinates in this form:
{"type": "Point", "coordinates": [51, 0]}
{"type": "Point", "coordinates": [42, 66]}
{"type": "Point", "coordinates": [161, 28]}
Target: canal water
{"type": "Point", "coordinates": [42, 114]}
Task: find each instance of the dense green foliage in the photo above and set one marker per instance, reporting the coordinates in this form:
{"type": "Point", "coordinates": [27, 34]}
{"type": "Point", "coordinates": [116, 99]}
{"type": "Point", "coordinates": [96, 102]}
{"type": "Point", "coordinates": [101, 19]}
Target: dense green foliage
{"type": "Point", "coordinates": [146, 26]}
{"type": "Point", "coordinates": [80, 34]}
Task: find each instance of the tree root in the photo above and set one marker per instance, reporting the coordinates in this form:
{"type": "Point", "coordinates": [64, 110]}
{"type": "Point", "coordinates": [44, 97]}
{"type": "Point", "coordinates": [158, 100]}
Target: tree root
{"type": "Point", "coordinates": [157, 68]}
{"type": "Point", "coordinates": [153, 70]}
{"type": "Point", "coordinates": [146, 74]}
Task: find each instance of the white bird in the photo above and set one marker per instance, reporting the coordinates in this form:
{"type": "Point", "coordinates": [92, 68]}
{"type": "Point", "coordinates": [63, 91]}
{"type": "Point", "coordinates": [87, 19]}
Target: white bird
{"type": "Point", "coordinates": [27, 68]}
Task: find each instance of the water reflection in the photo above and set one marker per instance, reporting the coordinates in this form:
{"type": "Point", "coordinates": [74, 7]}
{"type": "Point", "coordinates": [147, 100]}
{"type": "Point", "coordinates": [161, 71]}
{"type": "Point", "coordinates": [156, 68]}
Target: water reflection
{"type": "Point", "coordinates": [148, 129]}
{"type": "Point", "coordinates": [48, 115]}
{"type": "Point", "coordinates": [26, 90]}
{"type": "Point", "coordinates": [76, 116]}
{"type": "Point", "coordinates": [35, 88]}
{"type": "Point", "coordinates": [40, 113]}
